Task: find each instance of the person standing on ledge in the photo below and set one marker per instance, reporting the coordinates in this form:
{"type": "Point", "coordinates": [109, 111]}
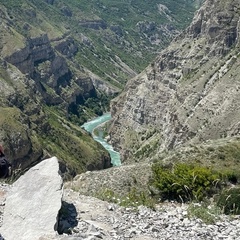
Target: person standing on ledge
{"type": "Point", "coordinates": [5, 166]}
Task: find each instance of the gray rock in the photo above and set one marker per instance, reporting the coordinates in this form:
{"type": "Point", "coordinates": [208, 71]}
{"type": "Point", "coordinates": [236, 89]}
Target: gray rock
{"type": "Point", "coordinates": [36, 199]}
{"type": "Point", "coordinates": [176, 95]}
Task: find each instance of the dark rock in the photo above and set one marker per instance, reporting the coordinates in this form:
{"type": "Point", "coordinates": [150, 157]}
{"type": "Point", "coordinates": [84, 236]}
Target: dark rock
{"type": "Point", "coordinates": [67, 47]}
{"type": "Point", "coordinates": [36, 50]}
{"type": "Point", "coordinates": [117, 30]}
{"type": "Point", "coordinates": [66, 11]}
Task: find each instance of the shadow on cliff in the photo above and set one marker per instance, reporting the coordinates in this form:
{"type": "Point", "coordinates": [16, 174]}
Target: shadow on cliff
{"type": "Point", "coordinates": [67, 218]}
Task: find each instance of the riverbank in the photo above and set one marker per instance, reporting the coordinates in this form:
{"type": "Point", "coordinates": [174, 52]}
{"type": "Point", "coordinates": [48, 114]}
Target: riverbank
{"type": "Point", "coordinates": [95, 123]}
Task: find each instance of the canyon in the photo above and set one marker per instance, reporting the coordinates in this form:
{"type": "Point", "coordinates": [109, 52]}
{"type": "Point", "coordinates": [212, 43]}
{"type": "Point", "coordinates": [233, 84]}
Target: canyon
{"type": "Point", "coordinates": [60, 64]}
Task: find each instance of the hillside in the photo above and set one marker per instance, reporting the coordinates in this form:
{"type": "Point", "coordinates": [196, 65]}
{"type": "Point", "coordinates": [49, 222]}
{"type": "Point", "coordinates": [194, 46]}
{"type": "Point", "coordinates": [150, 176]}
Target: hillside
{"type": "Point", "coordinates": [112, 39]}
{"type": "Point", "coordinates": [189, 94]}
{"type": "Point", "coordinates": [176, 124]}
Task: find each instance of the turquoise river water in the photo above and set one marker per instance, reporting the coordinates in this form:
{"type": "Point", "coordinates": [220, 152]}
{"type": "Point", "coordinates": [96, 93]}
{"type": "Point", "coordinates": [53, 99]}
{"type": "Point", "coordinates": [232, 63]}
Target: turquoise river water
{"type": "Point", "coordinates": [91, 125]}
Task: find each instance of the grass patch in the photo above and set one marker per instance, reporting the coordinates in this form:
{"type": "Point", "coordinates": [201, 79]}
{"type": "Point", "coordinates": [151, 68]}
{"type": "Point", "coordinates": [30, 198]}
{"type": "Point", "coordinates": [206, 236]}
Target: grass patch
{"type": "Point", "coordinates": [134, 198]}
{"type": "Point", "coordinates": [229, 201]}
{"type": "Point", "coordinates": [209, 214]}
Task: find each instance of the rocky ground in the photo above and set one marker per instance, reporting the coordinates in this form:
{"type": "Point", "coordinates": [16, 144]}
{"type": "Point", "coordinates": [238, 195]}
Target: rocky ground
{"type": "Point", "coordinates": [98, 219]}
{"type": "Point", "coordinates": [86, 217]}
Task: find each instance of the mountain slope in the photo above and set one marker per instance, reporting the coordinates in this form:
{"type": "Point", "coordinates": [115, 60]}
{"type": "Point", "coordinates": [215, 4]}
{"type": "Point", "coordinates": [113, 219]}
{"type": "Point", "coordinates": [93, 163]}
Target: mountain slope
{"type": "Point", "coordinates": [113, 39]}
{"type": "Point", "coordinates": [189, 94]}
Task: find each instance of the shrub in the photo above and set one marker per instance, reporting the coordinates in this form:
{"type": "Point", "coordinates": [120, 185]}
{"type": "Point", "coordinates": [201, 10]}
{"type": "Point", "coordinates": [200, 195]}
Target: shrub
{"type": "Point", "coordinates": [231, 176]}
{"type": "Point", "coordinates": [229, 201]}
{"type": "Point", "coordinates": [183, 182]}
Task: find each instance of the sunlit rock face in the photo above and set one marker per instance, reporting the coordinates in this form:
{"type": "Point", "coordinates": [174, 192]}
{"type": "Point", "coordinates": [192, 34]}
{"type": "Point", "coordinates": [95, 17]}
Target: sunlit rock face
{"type": "Point", "coordinates": [189, 94]}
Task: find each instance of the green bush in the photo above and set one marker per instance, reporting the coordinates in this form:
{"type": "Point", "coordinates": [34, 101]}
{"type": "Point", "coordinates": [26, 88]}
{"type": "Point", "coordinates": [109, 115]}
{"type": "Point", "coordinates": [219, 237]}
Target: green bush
{"type": "Point", "coordinates": [231, 176]}
{"type": "Point", "coordinates": [229, 201]}
{"type": "Point", "coordinates": [183, 182]}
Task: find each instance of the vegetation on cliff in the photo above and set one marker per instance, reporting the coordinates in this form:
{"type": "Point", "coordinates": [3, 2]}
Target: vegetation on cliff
{"type": "Point", "coordinates": [189, 94]}
{"type": "Point", "coordinates": [114, 39]}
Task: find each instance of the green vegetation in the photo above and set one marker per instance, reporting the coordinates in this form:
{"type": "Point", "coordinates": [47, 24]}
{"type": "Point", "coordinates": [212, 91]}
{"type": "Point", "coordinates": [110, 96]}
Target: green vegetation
{"type": "Point", "coordinates": [73, 146]}
{"type": "Point", "coordinates": [109, 34]}
{"type": "Point", "coordinates": [133, 198]}
{"type": "Point", "coordinates": [229, 201]}
{"type": "Point", "coordinates": [183, 182]}
{"type": "Point", "coordinates": [90, 107]}
{"type": "Point", "coordinates": [209, 214]}
{"type": "Point", "coordinates": [223, 155]}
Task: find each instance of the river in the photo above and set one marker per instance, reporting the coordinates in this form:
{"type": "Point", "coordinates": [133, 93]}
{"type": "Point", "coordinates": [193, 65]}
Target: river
{"type": "Point", "coordinates": [91, 125]}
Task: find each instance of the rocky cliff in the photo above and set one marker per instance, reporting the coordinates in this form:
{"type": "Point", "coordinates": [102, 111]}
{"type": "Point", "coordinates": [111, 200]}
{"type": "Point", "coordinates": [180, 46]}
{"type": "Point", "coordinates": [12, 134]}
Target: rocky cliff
{"type": "Point", "coordinates": [189, 94]}
{"type": "Point", "coordinates": [39, 90]}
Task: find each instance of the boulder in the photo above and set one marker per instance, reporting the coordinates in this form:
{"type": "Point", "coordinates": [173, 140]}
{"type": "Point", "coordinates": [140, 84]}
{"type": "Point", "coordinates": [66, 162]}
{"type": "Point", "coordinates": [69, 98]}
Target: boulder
{"type": "Point", "coordinates": [33, 203]}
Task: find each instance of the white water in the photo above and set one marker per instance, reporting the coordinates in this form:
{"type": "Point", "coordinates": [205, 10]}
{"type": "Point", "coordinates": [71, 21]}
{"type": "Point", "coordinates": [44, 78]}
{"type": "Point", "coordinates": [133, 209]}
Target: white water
{"type": "Point", "coordinates": [91, 125]}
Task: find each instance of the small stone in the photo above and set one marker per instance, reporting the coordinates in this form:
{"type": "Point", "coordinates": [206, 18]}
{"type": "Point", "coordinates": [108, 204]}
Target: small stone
{"type": "Point", "coordinates": [110, 208]}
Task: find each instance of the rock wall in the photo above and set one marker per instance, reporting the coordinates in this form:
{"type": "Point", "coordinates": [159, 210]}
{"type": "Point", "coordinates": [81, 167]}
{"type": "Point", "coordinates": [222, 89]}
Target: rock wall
{"type": "Point", "coordinates": [47, 68]}
{"type": "Point", "coordinates": [36, 50]}
{"type": "Point", "coordinates": [189, 94]}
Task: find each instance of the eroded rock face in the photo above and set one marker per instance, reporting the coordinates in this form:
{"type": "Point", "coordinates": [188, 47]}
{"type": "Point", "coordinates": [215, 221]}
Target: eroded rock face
{"type": "Point", "coordinates": [39, 60]}
{"type": "Point", "coordinates": [37, 49]}
{"type": "Point", "coordinates": [33, 203]}
{"type": "Point", "coordinates": [189, 94]}
{"type": "Point", "coordinates": [67, 47]}
{"type": "Point", "coordinates": [97, 25]}
{"type": "Point", "coordinates": [19, 147]}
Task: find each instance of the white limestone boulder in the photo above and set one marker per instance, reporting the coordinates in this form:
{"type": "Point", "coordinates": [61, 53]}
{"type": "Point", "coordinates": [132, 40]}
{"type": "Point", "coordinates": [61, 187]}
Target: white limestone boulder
{"type": "Point", "coordinates": [33, 203]}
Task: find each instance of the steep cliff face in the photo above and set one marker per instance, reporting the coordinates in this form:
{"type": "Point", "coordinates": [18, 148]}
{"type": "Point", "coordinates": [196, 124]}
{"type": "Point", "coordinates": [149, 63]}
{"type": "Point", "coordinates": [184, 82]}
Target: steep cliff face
{"type": "Point", "coordinates": [48, 69]}
{"type": "Point", "coordinates": [190, 93]}
{"type": "Point", "coordinates": [31, 130]}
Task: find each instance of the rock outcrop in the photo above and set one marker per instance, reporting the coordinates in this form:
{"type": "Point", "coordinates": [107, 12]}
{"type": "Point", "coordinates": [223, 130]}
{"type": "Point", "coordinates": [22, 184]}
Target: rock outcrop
{"type": "Point", "coordinates": [36, 50]}
{"type": "Point", "coordinates": [120, 180]}
{"type": "Point", "coordinates": [33, 203]}
{"type": "Point", "coordinates": [41, 62]}
{"type": "Point", "coordinates": [97, 25]}
{"type": "Point", "coordinates": [189, 94]}
{"type": "Point", "coordinates": [68, 47]}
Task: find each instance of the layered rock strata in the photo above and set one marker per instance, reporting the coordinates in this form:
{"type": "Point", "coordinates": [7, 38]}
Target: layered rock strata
{"type": "Point", "coordinates": [189, 94]}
